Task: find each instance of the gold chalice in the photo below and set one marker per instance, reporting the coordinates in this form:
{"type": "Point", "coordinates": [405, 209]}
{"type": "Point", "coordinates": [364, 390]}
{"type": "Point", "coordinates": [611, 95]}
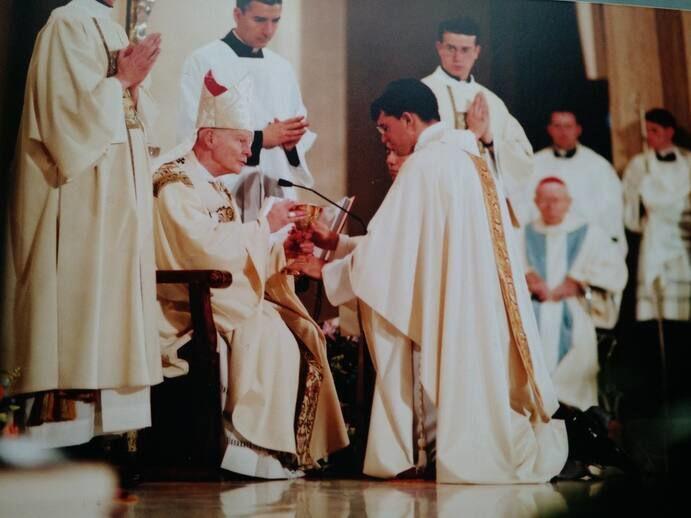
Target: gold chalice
{"type": "Point", "coordinates": [312, 213]}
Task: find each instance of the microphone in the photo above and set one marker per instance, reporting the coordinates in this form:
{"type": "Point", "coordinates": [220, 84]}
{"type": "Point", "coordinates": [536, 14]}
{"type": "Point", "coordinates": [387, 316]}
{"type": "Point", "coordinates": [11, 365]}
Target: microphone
{"type": "Point", "coordinates": [287, 183]}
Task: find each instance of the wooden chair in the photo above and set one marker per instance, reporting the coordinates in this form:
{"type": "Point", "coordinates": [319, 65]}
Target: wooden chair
{"type": "Point", "coordinates": [186, 440]}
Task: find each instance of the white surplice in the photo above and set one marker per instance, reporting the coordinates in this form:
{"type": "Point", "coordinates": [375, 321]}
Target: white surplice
{"type": "Point", "coordinates": [426, 276]}
{"type": "Point", "coordinates": [197, 226]}
{"type": "Point", "coordinates": [593, 184]}
{"type": "Point", "coordinates": [275, 95]}
{"type": "Point", "coordinates": [657, 196]}
{"type": "Point", "coordinates": [586, 254]}
{"type": "Point", "coordinates": [512, 155]}
{"type": "Point", "coordinates": [80, 296]}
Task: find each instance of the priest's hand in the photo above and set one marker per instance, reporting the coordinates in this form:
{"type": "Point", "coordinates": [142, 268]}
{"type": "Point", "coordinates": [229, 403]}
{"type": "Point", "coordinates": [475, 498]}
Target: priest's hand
{"type": "Point", "coordinates": [537, 286]}
{"type": "Point", "coordinates": [283, 213]}
{"type": "Point", "coordinates": [286, 133]}
{"type": "Point", "coordinates": [477, 118]}
{"type": "Point", "coordinates": [569, 288]}
{"type": "Point", "coordinates": [298, 243]}
{"type": "Point", "coordinates": [323, 237]}
{"type": "Point", "coordinates": [306, 265]}
{"type": "Point", "coordinates": [136, 61]}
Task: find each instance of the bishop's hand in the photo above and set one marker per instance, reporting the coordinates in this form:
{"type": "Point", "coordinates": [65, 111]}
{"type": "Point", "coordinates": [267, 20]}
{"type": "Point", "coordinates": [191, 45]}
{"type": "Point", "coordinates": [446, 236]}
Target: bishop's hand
{"type": "Point", "coordinates": [283, 213]}
{"type": "Point", "coordinates": [569, 288]}
{"type": "Point", "coordinates": [537, 286]}
{"type": "Point", "coordinates": [136, 61]}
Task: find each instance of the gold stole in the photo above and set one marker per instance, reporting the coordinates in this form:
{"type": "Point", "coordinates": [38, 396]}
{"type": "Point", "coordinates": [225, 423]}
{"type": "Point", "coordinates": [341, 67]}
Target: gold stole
{"type": "Point", "coordinates": [506, 281]}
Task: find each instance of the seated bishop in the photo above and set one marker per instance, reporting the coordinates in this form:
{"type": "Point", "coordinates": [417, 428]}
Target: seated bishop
{"type": "Point", "coordinates": [572, 269]}
{"type": "Point", "coordinates": [278, 422]}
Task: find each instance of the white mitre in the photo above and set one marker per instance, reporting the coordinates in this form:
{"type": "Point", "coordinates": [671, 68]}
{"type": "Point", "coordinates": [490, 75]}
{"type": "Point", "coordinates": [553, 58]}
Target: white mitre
{"type": "Point", "coordinates": [225, 106]}
{"type": "Point", "coordinates": [220, 107]}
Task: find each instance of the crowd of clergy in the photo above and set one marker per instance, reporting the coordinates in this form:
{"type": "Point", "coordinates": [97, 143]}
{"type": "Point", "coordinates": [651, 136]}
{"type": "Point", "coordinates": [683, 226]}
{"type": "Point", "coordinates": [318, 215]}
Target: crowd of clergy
{"type": "Point", "coordinates": [482, 285]}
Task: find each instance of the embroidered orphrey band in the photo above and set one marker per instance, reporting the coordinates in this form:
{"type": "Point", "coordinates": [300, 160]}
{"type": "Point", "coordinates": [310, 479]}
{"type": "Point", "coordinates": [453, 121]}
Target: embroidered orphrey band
{"type": "Point", "coordinates": [169, 173]}
{"type": "Point", "coordinates": [307, 414]}
{"type": "Point", "coordinates": [112, 55]}
{"type": "Point", "coordinates": [506, 281]}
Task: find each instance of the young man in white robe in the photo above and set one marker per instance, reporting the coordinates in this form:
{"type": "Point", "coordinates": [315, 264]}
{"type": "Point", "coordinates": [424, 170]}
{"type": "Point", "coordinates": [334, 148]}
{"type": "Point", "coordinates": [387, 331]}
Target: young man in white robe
{"type": "Point", "coordinates": [79, 312]}
{"type": "Point", "coordinates": [567, 257]}
{"type": "Point", "coordinates": [281, 135]}
{"type": "Point", "coordinates": [657, 204]}
{"type": "Point", "coordinates": [504, 145]}
{"type": "Point", "coordinates": [448, 320]}
{"type": "Point", "coordinates": [594, 186]}
{"type": "Point", "coordinates": [276, 425]}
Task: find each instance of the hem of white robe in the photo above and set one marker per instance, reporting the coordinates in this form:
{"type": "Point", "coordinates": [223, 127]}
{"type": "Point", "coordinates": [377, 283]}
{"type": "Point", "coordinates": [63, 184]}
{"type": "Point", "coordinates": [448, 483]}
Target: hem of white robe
{"type": "Point", "coordinates": [121, 410]}
{"type": "Point", "coordinates": [542, 446]}
{"type": "Point", "coordinates": [243, 458]}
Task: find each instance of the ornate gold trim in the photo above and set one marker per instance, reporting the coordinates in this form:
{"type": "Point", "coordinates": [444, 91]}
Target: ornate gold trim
{"type": "Point", "coordinates": [225, 214]}
{"type": "Point", "coordinates": [304, 422]}
{"type": "Point", "coordinates": [506, 281]}
{"type": "Point", "coordinates": [169, 173]}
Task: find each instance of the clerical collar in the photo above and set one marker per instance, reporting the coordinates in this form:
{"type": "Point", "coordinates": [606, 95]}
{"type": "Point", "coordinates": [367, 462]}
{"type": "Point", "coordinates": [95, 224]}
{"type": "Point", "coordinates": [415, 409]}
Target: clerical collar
{"type": "Point", "coordinates": [456, 78]}
{"type": "Point", "coordinates": [241, 48]}
{"type": "Point", "coordinates": [564, 153]}
{"type": "Point", "coordinates": [667, 155]}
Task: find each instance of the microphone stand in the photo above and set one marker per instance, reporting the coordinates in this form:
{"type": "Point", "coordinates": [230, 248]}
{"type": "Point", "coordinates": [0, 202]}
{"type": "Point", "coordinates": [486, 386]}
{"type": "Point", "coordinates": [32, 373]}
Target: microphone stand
{"type": "Point", "coordinates": [287, 183]}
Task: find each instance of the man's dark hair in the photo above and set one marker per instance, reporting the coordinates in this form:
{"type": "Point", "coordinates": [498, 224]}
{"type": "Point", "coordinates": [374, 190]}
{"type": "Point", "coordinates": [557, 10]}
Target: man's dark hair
{"type": "Point", "coordinates": [460, 25]}
{"type": "Point", "coordinates": [662, 117]}
{"type": "Point", "coordinates": [242, 4]}
{"type": "Point", "coordinates": [564, 109]}
{"type": "Point", "coordinates": [406, 95]}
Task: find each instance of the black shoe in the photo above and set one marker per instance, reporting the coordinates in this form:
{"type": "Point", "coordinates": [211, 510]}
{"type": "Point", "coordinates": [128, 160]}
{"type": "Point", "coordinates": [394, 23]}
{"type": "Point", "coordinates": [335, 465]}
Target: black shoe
{"type": "Point", "coordinates": [589, 442]}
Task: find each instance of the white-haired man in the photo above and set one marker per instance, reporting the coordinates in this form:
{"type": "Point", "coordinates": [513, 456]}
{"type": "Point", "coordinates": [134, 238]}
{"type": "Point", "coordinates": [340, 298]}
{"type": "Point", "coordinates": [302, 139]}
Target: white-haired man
{"type": "Point", "coordinates": [277, 424]}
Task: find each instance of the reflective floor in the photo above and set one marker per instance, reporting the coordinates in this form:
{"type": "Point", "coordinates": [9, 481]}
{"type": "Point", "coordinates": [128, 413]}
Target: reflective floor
{"type": "Point", "coordinates": [346, 498]}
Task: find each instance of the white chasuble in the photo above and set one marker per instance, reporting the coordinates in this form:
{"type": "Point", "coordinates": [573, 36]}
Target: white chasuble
{"type": "Point", "coordinates": [265, 325]}
{"type": "Point", "coordinates": [584, 253]}
{"type": "Point", "coordinates": [512, 154]}
{"type": "Point", "coordinates": [275, 95]}
{"type": "Point", "coordinates": [434, 272]}
{"type": "Point", "coordinates": [80, 303]}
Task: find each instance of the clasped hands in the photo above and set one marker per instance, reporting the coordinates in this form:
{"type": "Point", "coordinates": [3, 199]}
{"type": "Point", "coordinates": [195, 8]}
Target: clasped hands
{"type": "Point", "coordinates": [286, 133]}
{"type": "Point", "coordinates": [136, 61]}
{"type": "Point", "coordinates": [538, 287]}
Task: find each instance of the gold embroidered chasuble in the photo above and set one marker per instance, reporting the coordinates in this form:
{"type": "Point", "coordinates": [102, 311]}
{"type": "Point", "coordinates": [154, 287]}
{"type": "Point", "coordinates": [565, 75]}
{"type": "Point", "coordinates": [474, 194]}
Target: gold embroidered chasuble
{"type": "Point", "coordinates": [79, 310]}
{"type": "Point", "coordinates": [267, 328]}
{"type": "Point", "coordinates": [440, 268]}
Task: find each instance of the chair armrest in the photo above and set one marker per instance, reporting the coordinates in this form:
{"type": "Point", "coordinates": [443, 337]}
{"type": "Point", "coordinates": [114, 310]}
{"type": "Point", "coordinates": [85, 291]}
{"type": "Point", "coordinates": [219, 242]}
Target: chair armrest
{"type": "Point", "coordinates": [214, 278]}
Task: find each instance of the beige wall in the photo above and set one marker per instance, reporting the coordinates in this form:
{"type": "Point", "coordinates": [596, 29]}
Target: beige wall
{"type": "Point", "coordinates": [311, 36]}
{"type": "Point", "coordinates": [648, 66]}
{"type": "Point", "coordinates": [323, 78]}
